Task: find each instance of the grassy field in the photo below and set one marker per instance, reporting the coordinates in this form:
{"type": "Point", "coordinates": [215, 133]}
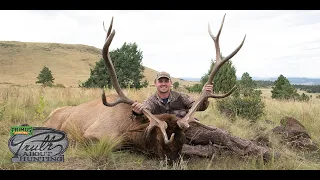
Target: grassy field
{"type": "Point", "coordinates": [31, 104]}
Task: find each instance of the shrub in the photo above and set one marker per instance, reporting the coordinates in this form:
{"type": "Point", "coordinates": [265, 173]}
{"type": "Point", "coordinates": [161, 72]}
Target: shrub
{"type": "Point", "coordinates": [59, 86]}
{"type": "Point", "coordinates": [249, 107]}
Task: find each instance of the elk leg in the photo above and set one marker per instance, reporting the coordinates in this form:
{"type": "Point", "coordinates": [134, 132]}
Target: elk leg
{"type": "Point", "coordinates": [197, 135]}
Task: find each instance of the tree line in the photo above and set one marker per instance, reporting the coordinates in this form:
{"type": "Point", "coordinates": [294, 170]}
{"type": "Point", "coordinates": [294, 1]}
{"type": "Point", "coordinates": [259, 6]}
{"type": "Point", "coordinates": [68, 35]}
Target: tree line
{"type": "Point", "coordinates": [307, 88]}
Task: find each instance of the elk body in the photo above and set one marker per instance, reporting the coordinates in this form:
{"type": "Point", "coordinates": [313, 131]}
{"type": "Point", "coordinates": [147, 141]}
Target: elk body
{"type": "Point", "coordinates": [99, 119]}
{"type": "Point", "coordinates": [95, 121]}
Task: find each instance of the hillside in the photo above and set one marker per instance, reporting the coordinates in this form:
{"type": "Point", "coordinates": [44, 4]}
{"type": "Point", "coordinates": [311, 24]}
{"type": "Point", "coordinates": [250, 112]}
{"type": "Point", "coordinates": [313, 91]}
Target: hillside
{"type": "Point", "coordinates": [21, 62]}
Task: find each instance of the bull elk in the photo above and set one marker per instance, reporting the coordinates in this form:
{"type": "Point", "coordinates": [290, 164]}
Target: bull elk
{"type": "Point", "coordinates": [111, 117]}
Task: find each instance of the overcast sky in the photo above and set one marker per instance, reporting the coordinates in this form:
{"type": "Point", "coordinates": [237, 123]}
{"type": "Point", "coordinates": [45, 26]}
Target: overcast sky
{"type": "Point", "coordinates": [277, 42]}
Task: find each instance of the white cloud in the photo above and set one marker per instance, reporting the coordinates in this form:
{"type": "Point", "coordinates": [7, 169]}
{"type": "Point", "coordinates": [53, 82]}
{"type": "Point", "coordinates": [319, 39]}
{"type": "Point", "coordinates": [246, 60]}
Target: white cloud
{"type": "Point", "coordinates": [277, 42]}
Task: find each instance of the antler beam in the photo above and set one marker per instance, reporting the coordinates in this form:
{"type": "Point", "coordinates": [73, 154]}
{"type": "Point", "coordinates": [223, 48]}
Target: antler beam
{"type": "Point", "coordinates": [184, 122]}
{"type": "Point", "coordinates": [154, 122]}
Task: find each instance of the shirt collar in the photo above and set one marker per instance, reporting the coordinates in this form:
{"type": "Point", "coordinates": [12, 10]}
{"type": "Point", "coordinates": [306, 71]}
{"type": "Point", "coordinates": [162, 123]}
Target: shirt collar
{"type": "Point", "coordinates": [169, 98]}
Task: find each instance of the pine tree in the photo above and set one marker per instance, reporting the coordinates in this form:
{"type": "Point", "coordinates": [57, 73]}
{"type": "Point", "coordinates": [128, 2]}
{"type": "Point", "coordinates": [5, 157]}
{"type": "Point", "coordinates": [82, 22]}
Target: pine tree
{"type": "Point", "coordinates": [247, 85]}
{"type": "Point", "coordinates": [225, 78]}
{"type": "Point", "coordinates": [45, 77]}
{"type": "Point", "coordinates": [283, 89]}
{"type": "Point", "coordinates": [176, 85]}
{"type": "Point", "coordinates": [127, 62]}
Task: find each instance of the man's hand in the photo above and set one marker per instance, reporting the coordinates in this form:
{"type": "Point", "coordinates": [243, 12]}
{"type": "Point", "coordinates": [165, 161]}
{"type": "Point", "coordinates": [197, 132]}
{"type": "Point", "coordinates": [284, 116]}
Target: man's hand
{"type": "Point", "coordinates": [137, 107]}
{"type": "Point", "coordinates": [208, 87]}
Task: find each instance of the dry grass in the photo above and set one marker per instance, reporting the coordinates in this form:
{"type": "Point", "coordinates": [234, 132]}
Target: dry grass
{"type": "Point", "coordinates": [20, 104]}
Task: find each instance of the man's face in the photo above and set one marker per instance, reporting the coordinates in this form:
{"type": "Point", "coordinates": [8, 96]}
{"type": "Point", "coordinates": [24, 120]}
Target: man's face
{"type": "Point", "coordinates": [163, 85]}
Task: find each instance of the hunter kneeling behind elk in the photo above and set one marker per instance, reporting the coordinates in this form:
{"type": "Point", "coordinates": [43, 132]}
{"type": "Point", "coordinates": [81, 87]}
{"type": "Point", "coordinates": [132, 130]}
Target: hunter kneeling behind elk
{"type": "Point", "coordinates": [168, 101]}
{"type": "Point", "coordinates": [146, 126]}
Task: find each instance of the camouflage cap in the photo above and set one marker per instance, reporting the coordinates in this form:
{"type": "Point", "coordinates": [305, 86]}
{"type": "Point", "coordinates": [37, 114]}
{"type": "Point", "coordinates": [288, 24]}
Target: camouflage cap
{"type": "Point", "coordinates": [163, 74]}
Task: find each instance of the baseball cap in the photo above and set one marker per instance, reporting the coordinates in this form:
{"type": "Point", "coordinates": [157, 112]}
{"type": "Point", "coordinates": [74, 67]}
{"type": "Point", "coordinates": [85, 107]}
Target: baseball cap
{"type": "Point", "coordinates": [163, 74]}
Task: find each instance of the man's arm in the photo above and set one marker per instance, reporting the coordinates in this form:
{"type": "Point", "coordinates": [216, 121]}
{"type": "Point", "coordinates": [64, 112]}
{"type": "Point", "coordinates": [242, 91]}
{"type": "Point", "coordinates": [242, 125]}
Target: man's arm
{"type": "Point", "coordinates": [205, 103]}
{"type": "Point", "coordinates": [189, 101]}
{"type": "Point", "coordinates": [137, 107]}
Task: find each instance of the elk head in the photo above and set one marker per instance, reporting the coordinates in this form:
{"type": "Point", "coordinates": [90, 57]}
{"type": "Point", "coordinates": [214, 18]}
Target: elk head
{"type": "Point", "coordinates": [159, 126]}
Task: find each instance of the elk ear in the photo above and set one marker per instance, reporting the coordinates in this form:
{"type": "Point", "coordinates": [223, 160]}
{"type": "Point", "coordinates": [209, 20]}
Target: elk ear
{"type": "Point", "coordinates": [140, 128]}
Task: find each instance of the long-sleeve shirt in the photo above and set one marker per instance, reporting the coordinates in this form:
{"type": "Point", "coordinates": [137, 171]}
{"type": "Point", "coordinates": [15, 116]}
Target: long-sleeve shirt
{"type": "Point", "coordinates": [178, 104]}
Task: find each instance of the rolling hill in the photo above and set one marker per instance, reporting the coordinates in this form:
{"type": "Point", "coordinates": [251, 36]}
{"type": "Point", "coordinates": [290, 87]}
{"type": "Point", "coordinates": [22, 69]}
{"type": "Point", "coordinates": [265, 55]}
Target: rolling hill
{"type": "Point", "coordinates": [21, 62]}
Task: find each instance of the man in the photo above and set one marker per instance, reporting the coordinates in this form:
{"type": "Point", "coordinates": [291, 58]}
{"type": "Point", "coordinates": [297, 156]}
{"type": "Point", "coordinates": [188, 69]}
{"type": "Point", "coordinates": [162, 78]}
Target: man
{"type": "Point", "coordinates": [166, 100]}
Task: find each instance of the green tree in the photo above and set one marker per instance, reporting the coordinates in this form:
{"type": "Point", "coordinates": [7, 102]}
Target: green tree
{"type": "Point", "coordinates": [304, 97]}
{"type": "Point", "coordinates": [283, 89]}
{"type": "Point", "coordinates": [99, 77]}
{"type": "Point", "coordinates": [194, 88]}
{"type": "Point", "coordinates": [247, 85]}
{"type": "Point", "coordinates": [45, 77]}
{"type": "Point", "coordinates": [223, 81]}
{"type": "Point", "coordinates": [127, 62]}
{"type": "Point", "coordinates": [176, 85]}
{"type": "Point", "coordinates": [225, 78]}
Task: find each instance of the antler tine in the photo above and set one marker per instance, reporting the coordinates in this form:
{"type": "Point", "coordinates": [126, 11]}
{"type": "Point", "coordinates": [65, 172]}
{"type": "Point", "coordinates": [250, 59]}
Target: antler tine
{"type": "Point", "coordinates": [154, 122]}
{"type": "Point", "coordinates": [216, 40]}
{"type": "Point", "coordinates": [122, 98]}
{"type": "Point", "coordinates": [219, 61]}
{"type": "Point", "coordinates": [110, 27]}
{"type": "Point", "coordinates": [119, 100]}
{"type": "Point", "coordinates": [184, 122]}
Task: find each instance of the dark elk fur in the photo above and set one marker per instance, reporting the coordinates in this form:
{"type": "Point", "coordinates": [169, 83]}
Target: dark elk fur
{"type": "Point", "coordinates": [159, 135]}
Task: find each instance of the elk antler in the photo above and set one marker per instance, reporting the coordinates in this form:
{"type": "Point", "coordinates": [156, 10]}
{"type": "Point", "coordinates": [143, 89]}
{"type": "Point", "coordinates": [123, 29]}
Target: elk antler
{"type": "Point", "coordinates": [184, 122]}
{"type": "Point", "coordinates": [154, 122]}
